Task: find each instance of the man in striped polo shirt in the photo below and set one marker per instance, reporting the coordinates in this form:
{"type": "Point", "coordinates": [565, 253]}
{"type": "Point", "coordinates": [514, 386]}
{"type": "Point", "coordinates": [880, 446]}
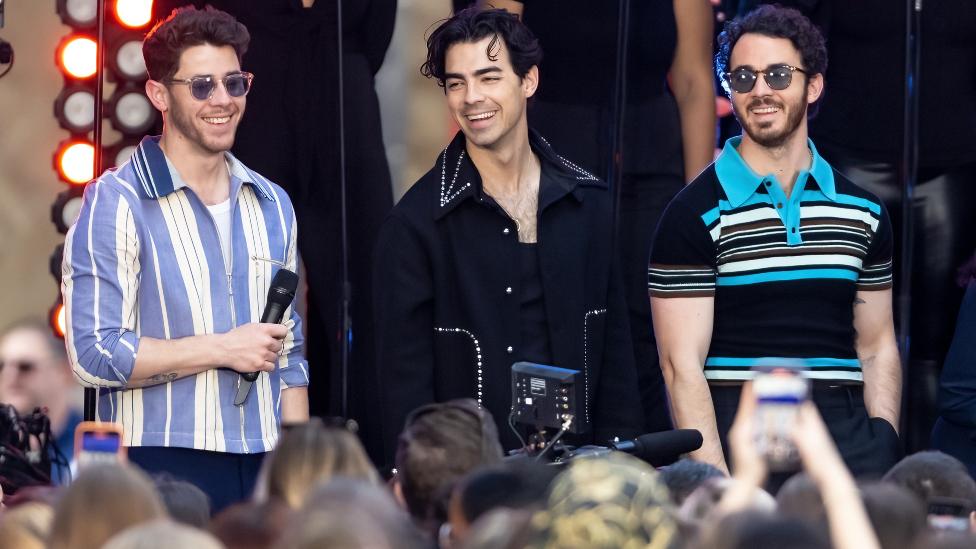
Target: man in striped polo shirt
{"type": "Point", "coordinates": [167, 270]}
{"type": "Point", "coordinates": [772, 258]}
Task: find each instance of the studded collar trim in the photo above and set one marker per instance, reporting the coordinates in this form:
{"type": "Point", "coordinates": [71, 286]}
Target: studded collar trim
{"type": "Point", "coordinates": [460, 180]}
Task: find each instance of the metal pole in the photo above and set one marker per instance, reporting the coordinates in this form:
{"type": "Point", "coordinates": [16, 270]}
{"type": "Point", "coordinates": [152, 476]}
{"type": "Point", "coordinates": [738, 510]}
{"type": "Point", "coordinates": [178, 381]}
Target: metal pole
{"type": "Point", "coordinates": [91, 397]}
{"type": "Point", "coordinates": [346, 343]}
{"type": "Point", "coordinates": [619, 106]}
{"type": "Point", "coordinates": [909, 174]}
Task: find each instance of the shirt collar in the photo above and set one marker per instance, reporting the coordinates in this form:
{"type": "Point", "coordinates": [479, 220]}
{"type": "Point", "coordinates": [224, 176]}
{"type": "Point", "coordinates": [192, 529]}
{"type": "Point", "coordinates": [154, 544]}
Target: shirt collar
{"type": "Point", "coordinates": [739, 180]}
{"type": "Point", "coordinates": [158, 177]}
{"type": "Point", "coordinates": [460, 180]}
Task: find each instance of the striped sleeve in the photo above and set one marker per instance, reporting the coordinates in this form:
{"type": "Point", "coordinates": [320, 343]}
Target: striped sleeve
{"type": "Point", "coordinates": [876, 272]}
{"type": "Point", "coordinates": [292, 367]}
{"type": "Point", "coordinates": [682, 261]}
{"type": "Point", "coordinates": [100, 280]}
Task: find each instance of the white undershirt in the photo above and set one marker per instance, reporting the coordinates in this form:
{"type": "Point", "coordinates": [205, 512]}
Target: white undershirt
{"type": "Point", "coordinates": [221, 215]}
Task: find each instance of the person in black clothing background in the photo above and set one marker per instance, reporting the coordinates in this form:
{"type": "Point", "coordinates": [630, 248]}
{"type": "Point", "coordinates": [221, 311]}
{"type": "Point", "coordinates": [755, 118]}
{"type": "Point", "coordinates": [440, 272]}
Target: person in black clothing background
{"type": "Point", "coordinates": [501, 252]}
{"type": "Point", "coordinates": [292, 136]}
{"type": "Point", "coordinates": [668, 124]}
{"type": "Point", "coordinates": [860, 130]}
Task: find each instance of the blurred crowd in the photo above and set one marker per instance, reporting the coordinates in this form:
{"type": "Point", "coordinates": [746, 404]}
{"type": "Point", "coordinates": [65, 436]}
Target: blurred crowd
{"type": "Point", "coordinates": [454, 489]}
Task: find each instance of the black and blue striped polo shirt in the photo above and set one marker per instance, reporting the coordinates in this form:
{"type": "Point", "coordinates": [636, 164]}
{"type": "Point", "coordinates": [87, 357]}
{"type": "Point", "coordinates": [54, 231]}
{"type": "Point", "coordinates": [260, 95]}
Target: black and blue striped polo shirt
{"type": "Point", "coordinates": [783, 270]}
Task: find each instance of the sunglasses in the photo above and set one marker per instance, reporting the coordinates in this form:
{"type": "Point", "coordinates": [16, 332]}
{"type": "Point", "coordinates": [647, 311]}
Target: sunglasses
{"type": "Point", "coordinates": [202, 87]}
{"type": "Point", "coordinates": [777, 77]}
{"type": "Point", "coordinates": [23, 367]}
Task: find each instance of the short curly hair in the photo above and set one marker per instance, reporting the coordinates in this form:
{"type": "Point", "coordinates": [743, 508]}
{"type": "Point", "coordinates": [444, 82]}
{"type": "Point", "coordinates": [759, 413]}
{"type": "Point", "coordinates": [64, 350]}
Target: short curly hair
{"type": "Point", "coordinates": [187, 27]}
{"type": "Point", "coordinates": [474, 24]}
{"type": "Point", "coordinates": [776, 22]}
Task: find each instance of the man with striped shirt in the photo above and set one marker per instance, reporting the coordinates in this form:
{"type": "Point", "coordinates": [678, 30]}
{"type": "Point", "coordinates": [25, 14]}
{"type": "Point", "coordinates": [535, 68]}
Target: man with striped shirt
{"type": "Point", "coordinates": [167, 270]}
{"type": "Point", "coordinates": [772, 258]}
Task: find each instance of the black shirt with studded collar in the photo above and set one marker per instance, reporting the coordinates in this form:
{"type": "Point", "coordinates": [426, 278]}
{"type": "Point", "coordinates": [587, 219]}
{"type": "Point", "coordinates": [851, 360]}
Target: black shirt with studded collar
{"type": "Point", "coordinates": [447, 295]}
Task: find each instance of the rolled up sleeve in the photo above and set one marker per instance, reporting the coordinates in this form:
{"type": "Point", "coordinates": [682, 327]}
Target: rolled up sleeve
{"type": "Point", "coordinates": [292, 366]}
{"type": "Point", "coordinates": [99, 284]}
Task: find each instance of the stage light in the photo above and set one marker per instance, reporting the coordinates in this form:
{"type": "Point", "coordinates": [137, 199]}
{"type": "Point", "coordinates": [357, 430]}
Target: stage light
{"type": "Point", "coordinates": [75, 162]}
{"type": "Point", "coordinates": [133, 13]}
{"type": "Point", "coordinates": [120, 152]}
{"type": "Point", "coordinates": [77, 56]}
{"type": "Point", "coordinates": [66, 207]}
{"type": "Point", "coordinates": [57, 318]}
{"type": "Point", "coordinates": [131, 112]}
{"type": "Point", "coordinates": [75, 109]}
{"type": "Point", "coordinates": [78, 13]}
{"type": "Point", "coordinates": [128, 61]}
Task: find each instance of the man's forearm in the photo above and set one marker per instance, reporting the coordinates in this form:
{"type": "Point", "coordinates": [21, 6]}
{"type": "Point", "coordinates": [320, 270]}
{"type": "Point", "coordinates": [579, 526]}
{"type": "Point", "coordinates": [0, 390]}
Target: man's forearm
{"type": "Point", "coordinates": [164, 360]}
{"type": "Point", "coordinates": [692, 408]}
{"type": "Point", "coordinates": [294, 405]}
{"type": "Point", "coordinates": [881, 368]}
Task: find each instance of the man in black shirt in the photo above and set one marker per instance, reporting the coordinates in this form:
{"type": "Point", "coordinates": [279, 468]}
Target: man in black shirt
{"type": "Point", "coordinates": [502, 252]}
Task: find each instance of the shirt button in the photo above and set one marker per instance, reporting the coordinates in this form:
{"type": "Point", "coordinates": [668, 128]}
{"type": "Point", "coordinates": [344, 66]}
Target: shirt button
{"type": "Point", "coordinates": [505, 230]}
{"type": "Point", "coordinates": [768, 183]}
{"type": "Point", "coordinates": [508, 290]}
{"type": "Point", "coordinates": [793, 230]}
{"type": "Point", "coordinates": [779, 204]}
{"type": "Point", "coordinates": [509, 349]}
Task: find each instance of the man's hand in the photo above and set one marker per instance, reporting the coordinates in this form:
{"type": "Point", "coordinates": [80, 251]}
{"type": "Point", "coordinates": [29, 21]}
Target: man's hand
{"type": "Point", "coordinates": [252, 347]}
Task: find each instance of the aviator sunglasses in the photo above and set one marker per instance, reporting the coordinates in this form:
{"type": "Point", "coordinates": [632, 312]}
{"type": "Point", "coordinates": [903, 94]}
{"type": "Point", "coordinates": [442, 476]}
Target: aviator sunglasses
{"type": "Point", "coordinates": [202, 87]}
{"type": "Point", "coordinates": [777, 77]}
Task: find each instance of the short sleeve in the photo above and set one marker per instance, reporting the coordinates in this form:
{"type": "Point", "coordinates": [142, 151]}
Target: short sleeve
{"type": "Point", "coordinates": [876, 270]}
{"type": "Point", "coordinates": [682, 261]}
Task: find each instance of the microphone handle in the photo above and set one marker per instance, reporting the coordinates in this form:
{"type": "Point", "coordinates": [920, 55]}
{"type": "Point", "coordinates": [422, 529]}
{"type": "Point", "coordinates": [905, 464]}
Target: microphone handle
{"type": "Point", "coordinates": [273, 313]}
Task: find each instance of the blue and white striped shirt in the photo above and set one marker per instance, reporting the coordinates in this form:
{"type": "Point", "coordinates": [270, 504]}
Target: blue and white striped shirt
{"type": "Point", "coordinates": [144, 259]}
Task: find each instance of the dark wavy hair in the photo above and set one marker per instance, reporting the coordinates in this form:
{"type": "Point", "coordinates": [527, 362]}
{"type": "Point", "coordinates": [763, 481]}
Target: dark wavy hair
{"type": "Point", "coordinates": [473, 24]}
{"type": "Point", "coordinates": [187, 27]}
{"type": "Point", "coordinates": [775, 22]}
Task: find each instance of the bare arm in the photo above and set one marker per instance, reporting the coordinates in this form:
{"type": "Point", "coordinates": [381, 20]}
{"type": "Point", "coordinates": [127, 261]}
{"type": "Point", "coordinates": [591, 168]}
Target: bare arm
{"type": "Point", "coordinates": [248, 348]}
{"type": "Point", "coordinates": [513, 6]}
{"type": "Point", "coordinates": [294, 405]}
{"type": "Point", "coordinates": [683, 328]}
{"type": "Point", "coordinates": [692, 83]}
{"type": "Point", "coordinates": [877, 350]}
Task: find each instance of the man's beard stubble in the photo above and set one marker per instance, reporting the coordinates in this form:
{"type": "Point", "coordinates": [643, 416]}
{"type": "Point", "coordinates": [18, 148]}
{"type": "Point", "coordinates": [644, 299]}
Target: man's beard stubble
{"type": "Point", "coordinates": [795, 116]}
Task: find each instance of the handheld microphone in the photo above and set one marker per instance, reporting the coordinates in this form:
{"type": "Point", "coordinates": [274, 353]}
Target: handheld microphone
{"type": "Point", "coordinates": [280, 295]}
{"type": "Point", "coordinates": [662, 448]}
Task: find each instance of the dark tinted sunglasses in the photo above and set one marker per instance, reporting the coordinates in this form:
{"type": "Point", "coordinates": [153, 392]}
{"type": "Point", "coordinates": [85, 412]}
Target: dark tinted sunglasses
{"type": "Point", "coordinates": [777, 77]}
{"type": "Point", "coordinates": [202, 87]}
{"type": "Point", "coordinates": [22, 366]}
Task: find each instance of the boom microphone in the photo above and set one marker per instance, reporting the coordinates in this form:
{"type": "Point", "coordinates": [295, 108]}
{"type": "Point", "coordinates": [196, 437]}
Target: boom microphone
{"type": "Point", "coordinates": [280, 295]}
{"type": "Point", "coordinates": [662, 448]}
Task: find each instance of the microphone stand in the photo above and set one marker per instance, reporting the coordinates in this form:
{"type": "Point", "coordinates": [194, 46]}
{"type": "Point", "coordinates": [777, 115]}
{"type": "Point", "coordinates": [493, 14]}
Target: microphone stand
{"type": "Point", "coordinates": [91, 395]}
{"type": "Point", "coordinates": [909, 175]}
{"type": "Point", "coordinates": [616, 167]}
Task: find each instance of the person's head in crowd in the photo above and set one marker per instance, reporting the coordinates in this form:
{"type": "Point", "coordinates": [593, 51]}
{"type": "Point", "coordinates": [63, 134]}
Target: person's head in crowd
{"type": "Point", "coordinates": [162, 534]}
{"type": "Point", "coordinates": [35, 373]}
{"type": "Point", "coordinates": [103, 500]}
{"type": "Point", "coordinates": [933, 475]}
{"type": "Point", "coordinates": [500, 528]}
{"type": "Point", "coordinates": [758, 529]}
{"type": "Point", "coordinates": [440, 444]}
{"type": "Point", "coordinates": [26, 526]}
{"type": "Point", "coordinates": [487, 62]}
{"type": "Point", "coordinates": [251, 525]}
{"type": "Point", "coordinates": [193, 58]}
{"type": "Point", "coordinates": [518, 485]}
{"type": "Point", "coordinates": [685, 475]}
{"type": "Point", "coordinates": [310, 453]}
{"type": "Point", "coordinates": [352, 514]}
{"type": "Point", "coordinates": [606, 502]}
{"type": "Point", "coordinates": [800, 498]}
{"type": "Point", "coordinates": [700, 503]}
{"type": "Point", "coordinates": [771, 63]}
{"type": "Point", "coordinates": [898, 517]}
{"type": "Point", "coordinates": [184, 501]}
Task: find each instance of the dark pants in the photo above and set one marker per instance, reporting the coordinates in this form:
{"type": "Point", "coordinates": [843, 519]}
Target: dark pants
{"type": "Point", "coordinates": [225, 478]}
{"type": "Point", "coordinates": [868, 445]}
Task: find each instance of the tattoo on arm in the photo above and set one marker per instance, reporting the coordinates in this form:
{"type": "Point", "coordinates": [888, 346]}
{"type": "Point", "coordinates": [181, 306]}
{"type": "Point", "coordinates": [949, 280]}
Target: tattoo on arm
{"type": "Point", "coordinates": [858, 301]}
{"type": "Point", "coordinates": [155, 380]}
